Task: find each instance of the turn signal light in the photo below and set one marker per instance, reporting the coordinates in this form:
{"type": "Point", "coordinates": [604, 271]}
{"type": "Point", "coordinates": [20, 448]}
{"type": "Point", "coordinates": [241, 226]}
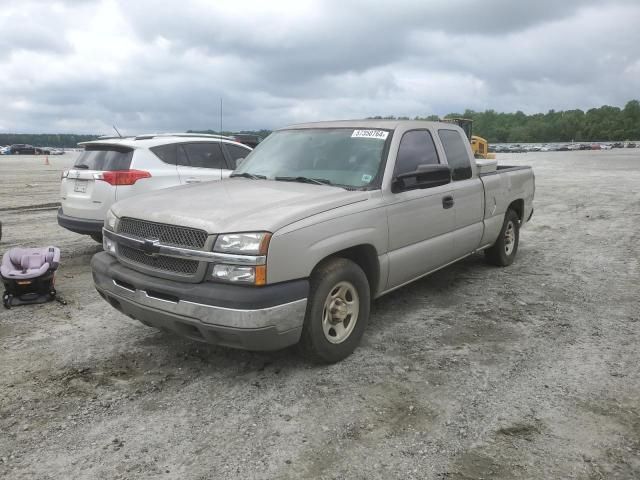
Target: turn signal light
{"type": "Point", "coordinates": [122, 177]}
{"type": "Point", "coordinates": [261, 275]}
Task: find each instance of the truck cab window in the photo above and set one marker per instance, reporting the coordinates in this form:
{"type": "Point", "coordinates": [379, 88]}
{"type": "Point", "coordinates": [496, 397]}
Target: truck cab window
{"type": "Point", "coordinates": [457, 156]}
{"type": "Point", "coordinates": [416, 148]}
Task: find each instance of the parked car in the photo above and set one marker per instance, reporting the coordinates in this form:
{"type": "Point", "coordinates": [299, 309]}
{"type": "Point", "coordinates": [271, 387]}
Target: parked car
{"type": "Point", "coordinates": [5, 150]}
{"type": "Point", "coordinates": [315, 223]}
{"type": "Point", "coordinates": [113, 169]}
{"type": "Point", "coordinates": [247, 139]}
{"type": "Point", "coordinates": [23, 149]}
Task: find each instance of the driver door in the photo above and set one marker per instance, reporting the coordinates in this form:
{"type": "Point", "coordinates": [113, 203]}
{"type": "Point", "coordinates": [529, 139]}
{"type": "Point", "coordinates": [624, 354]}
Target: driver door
{"type": "Point", "coordinates": [421, 220]}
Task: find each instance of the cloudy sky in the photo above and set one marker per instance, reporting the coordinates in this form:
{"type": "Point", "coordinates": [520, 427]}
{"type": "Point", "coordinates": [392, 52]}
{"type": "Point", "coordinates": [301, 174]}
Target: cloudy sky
{"type": "Point", "coordinates": [83, 65]}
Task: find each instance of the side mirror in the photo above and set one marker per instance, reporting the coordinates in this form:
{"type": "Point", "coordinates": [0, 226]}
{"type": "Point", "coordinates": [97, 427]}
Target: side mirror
{"type": "Point", "coordinates": [425, 176]}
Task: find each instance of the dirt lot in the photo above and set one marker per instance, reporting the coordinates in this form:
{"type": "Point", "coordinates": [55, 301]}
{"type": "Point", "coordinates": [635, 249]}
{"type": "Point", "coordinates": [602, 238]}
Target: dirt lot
{"type": "Point", "coordinates": [530, 371]}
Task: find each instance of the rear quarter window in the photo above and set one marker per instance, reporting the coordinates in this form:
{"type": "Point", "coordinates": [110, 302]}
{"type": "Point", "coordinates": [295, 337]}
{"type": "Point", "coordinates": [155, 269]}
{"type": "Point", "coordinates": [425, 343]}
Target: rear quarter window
{"type": "Point", "coordinates": [166, 153]}
{"type": "Point", "coordinates": [105, 157]}
{"type": "Point", "coordinates": [455, 149]}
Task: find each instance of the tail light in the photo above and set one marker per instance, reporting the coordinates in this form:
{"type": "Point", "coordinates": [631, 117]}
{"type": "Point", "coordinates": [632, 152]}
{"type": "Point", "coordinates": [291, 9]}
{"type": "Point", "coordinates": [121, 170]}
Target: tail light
{"type": "Point", "coordinates": [122, 177]}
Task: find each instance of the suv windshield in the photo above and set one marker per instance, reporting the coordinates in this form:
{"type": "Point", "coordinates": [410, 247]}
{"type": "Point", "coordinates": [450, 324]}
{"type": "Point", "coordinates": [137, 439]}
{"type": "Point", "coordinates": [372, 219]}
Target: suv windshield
{"type": "Point", "coordinates": [105, 157]}
{"type": "Point", "coordinates": [345, 157]}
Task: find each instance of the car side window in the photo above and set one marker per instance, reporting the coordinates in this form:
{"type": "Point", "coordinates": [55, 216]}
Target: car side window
{"type": "Point", "coordinates": [181, 157]}
{"type": "Point", "coordinates": [236, 152]}
{"type": "Point", "coordinates": [205, 155]}
{"type": "Point", "coordinates": [457, 155]}
{"type": "Point", "coordinates": [416, 148]}
{"type": "Point", "coordinates": [166, 153]}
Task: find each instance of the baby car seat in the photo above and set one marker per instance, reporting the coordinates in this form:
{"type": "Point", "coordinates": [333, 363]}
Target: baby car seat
{"type": "Point", "coordinates": [28, 275]}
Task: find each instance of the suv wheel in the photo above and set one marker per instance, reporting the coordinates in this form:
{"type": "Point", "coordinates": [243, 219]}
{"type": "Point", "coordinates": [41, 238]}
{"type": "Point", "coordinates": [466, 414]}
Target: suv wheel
{"type": "Point", "coordinates": [337, 311]}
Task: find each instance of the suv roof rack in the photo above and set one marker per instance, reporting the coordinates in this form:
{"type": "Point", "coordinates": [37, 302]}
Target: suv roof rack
{"type": "Point", "coordinates": [110, 137]}
{"type": "Point", "coordinates": [149, 136]}
{"type": "Point", "coordinates": [202, 135]}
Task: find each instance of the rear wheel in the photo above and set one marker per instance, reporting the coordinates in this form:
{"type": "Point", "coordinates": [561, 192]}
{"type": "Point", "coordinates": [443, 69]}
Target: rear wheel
{"type": "Point", "coordinates": [337, 311]}
{"type": "Point", "coordinates": [503, 252]}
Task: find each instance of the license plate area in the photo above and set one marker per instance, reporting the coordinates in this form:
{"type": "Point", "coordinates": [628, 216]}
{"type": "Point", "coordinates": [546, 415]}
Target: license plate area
{"type": "Point", "coordinates": [80, 186]}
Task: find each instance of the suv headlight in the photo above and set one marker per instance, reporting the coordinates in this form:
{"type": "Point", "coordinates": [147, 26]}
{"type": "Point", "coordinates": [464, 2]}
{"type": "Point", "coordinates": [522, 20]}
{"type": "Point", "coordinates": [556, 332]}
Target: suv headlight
{"type": "Point", "coordinates": [253, 243]}
{"type": "Point", "coordinates": [250, 243]}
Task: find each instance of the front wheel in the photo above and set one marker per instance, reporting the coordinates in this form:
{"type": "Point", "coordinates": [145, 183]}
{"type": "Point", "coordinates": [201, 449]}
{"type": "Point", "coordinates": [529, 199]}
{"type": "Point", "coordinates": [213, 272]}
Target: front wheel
{"type": "Point", "coordinates": [503, 252]}
{"type": "Point", "coordinates": [337, 312]}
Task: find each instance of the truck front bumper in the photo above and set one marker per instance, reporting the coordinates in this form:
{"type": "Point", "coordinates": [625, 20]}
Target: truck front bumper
{"type": "Point", "coordinates": [251, 318]}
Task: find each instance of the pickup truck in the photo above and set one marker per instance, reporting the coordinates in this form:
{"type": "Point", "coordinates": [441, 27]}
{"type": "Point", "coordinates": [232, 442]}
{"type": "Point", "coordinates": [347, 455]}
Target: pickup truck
{"type": "Point", "coordinates": [316, 222]}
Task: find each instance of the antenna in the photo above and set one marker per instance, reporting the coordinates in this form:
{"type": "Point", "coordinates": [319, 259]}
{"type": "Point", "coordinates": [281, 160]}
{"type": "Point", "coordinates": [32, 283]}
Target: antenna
{"type": "Point", "coordinates": [220, 115]}
{"type": "Point", "coordinates": [114, 127]}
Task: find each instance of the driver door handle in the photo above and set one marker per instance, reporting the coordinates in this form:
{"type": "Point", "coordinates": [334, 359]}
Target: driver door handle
{"type": "Point", "coordinates": [447, 202]}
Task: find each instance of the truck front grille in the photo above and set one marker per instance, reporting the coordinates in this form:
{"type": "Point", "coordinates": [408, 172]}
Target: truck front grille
{"type": "Point", "coordinates": [168, 264]}
{"type": "Point", "coordinates": [167, 234]}
{"type": "Point", "coordinates": [160, 265]}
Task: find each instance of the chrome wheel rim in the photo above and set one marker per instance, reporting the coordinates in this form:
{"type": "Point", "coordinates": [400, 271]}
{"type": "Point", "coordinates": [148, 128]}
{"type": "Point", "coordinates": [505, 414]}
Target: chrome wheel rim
{"type": "Point", "coordinates": [340, 312]}
{"type": "Point", "coordinates": [509, 238]}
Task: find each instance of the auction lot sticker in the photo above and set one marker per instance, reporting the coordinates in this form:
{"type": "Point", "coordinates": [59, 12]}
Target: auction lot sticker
{"type": "Point", "coordinates": [379, 134]}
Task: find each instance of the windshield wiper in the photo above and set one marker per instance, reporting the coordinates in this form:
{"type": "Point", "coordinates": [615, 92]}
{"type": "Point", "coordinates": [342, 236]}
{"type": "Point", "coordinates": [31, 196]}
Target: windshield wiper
{"type": "Point", "coordinates": [85, 167]}
{"type": "Point", "coordinates": [315, 181]}
{"type": "Point", "coordinates": [248, 175]}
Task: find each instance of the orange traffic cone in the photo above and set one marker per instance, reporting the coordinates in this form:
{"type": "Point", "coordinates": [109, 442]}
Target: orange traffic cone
{"type": "Point", "coordinates": [46, 160]}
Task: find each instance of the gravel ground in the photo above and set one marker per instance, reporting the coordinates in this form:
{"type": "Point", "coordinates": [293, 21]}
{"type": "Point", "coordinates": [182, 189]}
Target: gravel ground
{"type": "Point", "coordinates": [529, 371]}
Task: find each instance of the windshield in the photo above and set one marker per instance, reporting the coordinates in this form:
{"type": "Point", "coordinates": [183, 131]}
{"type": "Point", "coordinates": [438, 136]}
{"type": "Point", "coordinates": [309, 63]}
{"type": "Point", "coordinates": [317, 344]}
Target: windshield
{"type": "Point", "coordinates": [345, 157]}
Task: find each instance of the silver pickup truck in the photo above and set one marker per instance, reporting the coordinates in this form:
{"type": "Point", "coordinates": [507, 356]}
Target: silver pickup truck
{"type": "Point", "coordinates": [315, 223]}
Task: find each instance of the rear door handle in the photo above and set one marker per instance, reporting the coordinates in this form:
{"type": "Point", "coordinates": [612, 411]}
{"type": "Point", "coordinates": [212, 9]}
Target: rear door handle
{"type": "Point", "coordinates": [447, 202]}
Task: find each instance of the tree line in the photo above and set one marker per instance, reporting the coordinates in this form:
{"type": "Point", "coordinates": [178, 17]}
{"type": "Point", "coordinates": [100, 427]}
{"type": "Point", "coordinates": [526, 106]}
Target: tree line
{"type": "Point", "coordinates": [57, 140]}
{"type": "Point", "coordinates": [605, 123]}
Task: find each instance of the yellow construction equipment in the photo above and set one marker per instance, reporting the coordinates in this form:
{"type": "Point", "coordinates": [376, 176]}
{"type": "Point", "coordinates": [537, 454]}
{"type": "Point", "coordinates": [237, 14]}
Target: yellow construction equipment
{"type": "Point", "coordinates": [479, 145]}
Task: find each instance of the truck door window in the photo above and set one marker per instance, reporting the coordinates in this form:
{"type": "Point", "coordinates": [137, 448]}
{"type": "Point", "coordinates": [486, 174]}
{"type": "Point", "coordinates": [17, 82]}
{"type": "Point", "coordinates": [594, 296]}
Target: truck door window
{"type": "Point", "coordinates": [416, 148]}
{"type": "Point", "coordinates": [457, 156]}
{"type": "Point", "coordinates": [205, 155]}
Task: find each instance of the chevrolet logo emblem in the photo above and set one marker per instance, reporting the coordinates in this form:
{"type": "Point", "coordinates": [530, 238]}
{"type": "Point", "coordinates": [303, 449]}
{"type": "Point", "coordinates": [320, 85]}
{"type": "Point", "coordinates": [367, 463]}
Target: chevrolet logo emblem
{"type": "Point", "coordinates": [151, 247]}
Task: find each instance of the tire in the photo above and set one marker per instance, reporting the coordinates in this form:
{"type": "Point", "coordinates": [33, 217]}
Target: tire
{"type": "Point", "coordinates": [337, 311]}
{"type": "Point", "coordinates": [504, 251]}
{"type": "Point", "coordinates": [97, 237]}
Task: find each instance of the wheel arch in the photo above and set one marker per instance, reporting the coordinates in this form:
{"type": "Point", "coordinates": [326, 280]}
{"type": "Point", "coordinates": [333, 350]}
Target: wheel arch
{"type": "Point", "coordinates": [363, 255]}
{"type": "Point", "coordinates": [518, 207]}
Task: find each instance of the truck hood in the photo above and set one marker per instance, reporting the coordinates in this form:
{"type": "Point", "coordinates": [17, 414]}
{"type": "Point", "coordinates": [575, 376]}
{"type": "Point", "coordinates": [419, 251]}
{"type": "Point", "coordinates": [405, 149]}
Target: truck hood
{"type": "Point", "coordinates": [237, 204]}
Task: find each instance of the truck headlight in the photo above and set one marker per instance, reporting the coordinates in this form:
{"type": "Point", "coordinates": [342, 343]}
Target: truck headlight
{"type": "Point", "coordinates": [110, 221]}
{"type": "Point", "coordinates": [108, 245]}
{"type": "Point", "coordinates": [252, 243]}
{"type": "Point", "coordinates": [251, 275]}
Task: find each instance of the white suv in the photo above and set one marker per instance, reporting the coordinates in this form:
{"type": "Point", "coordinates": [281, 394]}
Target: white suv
{"type": "Point", "coordinates": [111, 169]}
